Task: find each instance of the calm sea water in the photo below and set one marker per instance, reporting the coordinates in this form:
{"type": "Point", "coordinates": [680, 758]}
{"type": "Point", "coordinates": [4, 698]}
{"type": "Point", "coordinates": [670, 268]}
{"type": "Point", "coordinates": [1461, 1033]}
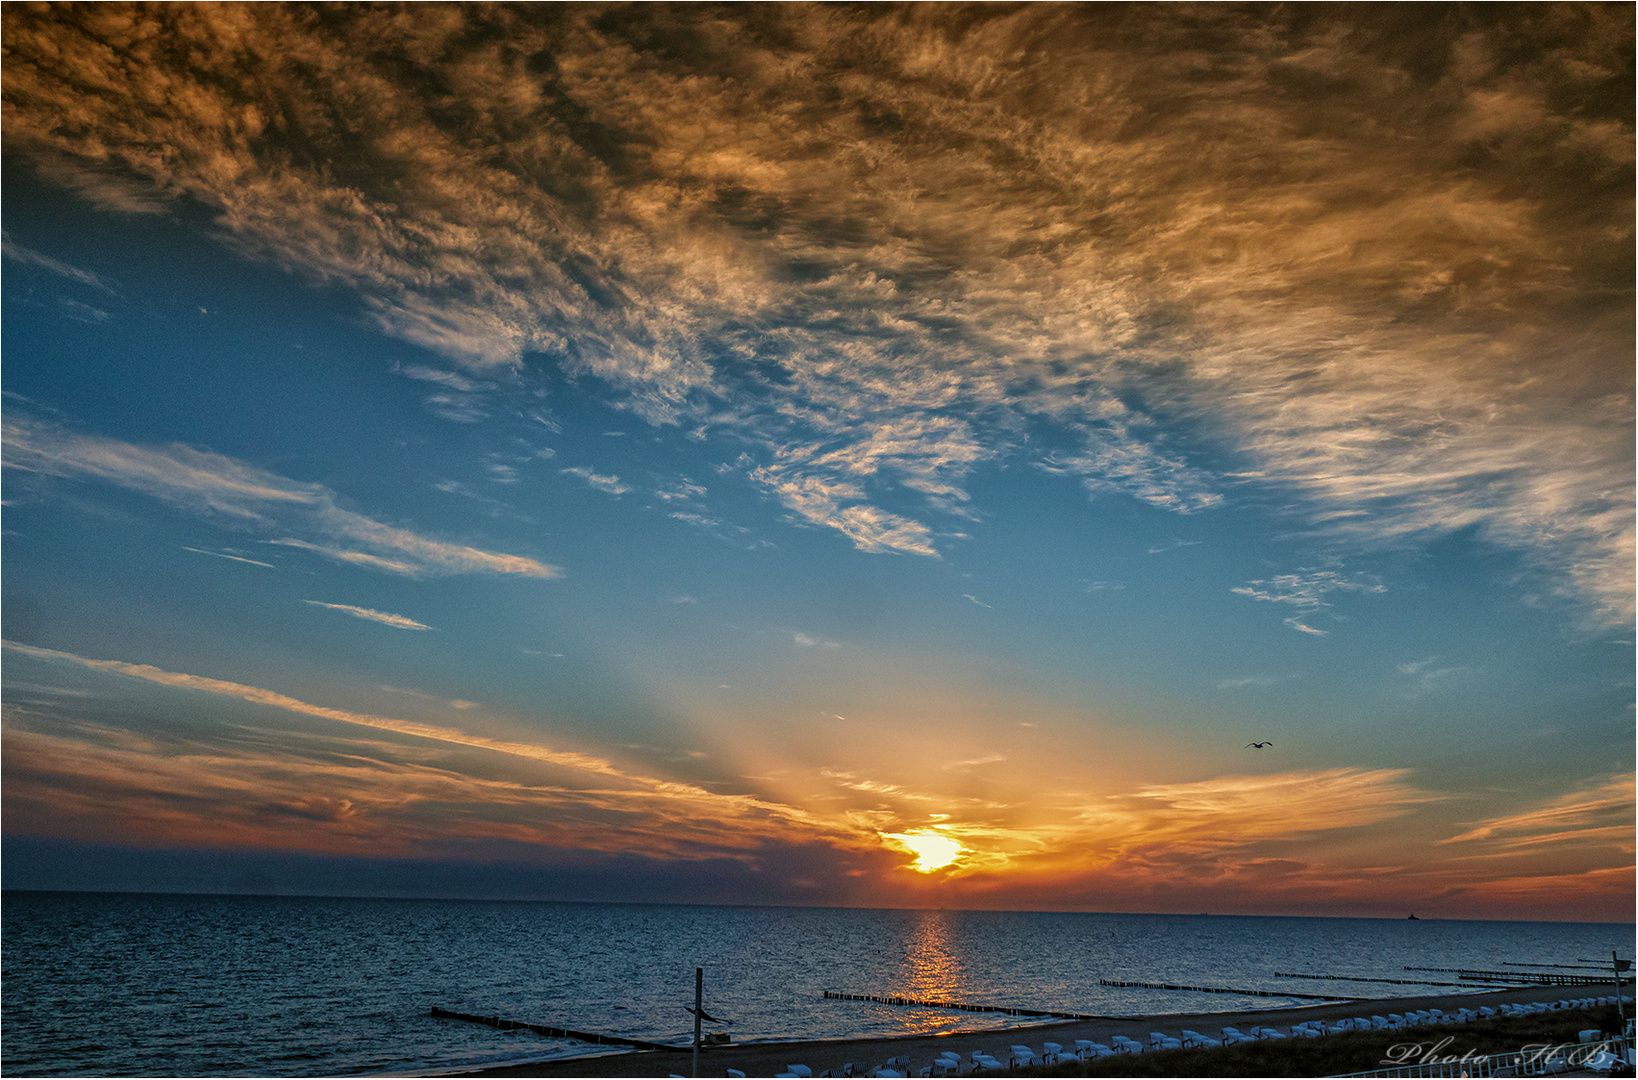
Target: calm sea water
{"type": "Point", "coordinates": [110, 985]}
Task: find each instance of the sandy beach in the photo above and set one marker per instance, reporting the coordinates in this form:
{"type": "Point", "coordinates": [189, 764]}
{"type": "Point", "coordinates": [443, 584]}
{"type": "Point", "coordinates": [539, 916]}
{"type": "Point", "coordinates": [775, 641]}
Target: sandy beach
{"type": "Point", "coordinates": [766, 1059]}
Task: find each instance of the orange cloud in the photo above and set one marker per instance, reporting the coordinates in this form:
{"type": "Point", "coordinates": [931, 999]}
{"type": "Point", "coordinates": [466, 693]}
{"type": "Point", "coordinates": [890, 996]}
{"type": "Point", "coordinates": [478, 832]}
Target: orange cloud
{"type": "Point", "coordinates": [1313, 840]}
{"type": "Point", "coordinates": [1603, 813]}
{"type": "Point", "coordinates": [580, 800]}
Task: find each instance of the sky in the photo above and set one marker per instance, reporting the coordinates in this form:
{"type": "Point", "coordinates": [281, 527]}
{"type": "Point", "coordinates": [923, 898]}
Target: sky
{"type": "Point", "coordinates": [845, 455]}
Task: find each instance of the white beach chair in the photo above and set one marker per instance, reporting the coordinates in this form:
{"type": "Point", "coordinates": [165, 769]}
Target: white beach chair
{"type": "Point", "coordinates": [983, 1062]}
{"type": "Point", "coordinates": [1195, 1039]}
{"type": "Point", "coordinates": [1051, 1053]}
{"type": "Point", "coordinates": [1267, 1033]}
{"type": "Point", "coordinates": [1604, 1063]}
{"type": "Point", "coordinates": [798, 1070]}
{"type": "Point", "coordinates": [1019, 1056]}
{"type": "Point", "coordinates": [1159, 1040]}
{"type": "Point", "coordinates": [1125, 1045]}
{"type": "Point", "coordinates": [1087, 1050]}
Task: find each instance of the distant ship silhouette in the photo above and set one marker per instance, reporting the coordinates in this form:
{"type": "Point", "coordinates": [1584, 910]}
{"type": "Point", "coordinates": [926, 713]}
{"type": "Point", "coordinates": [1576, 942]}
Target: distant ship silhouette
{"type": "Point", "coordinates": [1411, 917]}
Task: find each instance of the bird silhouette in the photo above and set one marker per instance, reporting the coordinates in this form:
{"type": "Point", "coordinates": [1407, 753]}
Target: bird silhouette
{"type": "Point", "coordinates": [1257, 745]}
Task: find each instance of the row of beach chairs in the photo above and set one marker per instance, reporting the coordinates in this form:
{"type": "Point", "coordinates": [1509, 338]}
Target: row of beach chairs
{"type": "Point", "coordinates": [950, 1063]}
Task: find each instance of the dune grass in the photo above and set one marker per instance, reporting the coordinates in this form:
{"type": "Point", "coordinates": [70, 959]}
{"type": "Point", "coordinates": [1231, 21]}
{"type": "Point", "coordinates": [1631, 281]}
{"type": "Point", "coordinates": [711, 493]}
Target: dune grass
{"type": "Point", "coordinates": [1352, 1051]}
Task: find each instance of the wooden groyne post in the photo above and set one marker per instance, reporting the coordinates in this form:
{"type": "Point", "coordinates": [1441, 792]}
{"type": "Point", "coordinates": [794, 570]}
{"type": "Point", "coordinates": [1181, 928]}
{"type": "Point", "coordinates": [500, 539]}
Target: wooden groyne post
{"type": "Point", "coordinates": [504, 1024]}
{"type": "Point", "coordinates": [1365, 978]}
{"type": "Point", "coordinates": [886, 999]}
{"type": "Point", "coordinates": [1529, 978]}
{"type": "Point", "coordinates": [1226, 990]}
{"type": "Point", "coordinates": [1619, 965]}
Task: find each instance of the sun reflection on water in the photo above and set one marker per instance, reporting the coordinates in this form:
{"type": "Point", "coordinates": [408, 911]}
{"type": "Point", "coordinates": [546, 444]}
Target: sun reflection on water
{"type": "Point", "coordinates": [933, 969]}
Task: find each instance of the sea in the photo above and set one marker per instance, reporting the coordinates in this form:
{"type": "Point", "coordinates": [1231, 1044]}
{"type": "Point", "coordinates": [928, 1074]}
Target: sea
{"type": "Point", "coordinates": [103, 984]}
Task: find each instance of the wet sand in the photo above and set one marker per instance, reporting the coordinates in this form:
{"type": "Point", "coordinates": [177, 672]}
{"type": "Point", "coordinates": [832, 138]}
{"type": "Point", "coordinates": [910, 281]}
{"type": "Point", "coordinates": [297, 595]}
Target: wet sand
{"type": "Point", "coordinates": [766, 1059]}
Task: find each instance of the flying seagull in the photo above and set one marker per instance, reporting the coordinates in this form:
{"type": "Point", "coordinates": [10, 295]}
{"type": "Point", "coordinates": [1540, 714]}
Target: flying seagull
{"type": "Point", "coordinates": [1257, 745]}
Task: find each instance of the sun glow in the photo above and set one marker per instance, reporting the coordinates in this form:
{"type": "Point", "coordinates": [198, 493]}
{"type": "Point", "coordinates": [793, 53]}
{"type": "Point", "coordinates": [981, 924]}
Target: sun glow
{"type": "Point", "coordinates": [932, 849]}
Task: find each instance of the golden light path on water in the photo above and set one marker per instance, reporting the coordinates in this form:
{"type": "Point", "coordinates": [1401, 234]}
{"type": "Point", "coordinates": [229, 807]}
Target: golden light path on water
{"type": "Point", "coordinates": [932, 849]}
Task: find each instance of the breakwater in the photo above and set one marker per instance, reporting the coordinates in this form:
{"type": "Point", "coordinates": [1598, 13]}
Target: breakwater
{"type": "Point", "coordinates": [961, 1006]}
{"type": "Point", "coordinates": [1226, 990]}
{"type": "Point", "coordinates": [503, 1024]}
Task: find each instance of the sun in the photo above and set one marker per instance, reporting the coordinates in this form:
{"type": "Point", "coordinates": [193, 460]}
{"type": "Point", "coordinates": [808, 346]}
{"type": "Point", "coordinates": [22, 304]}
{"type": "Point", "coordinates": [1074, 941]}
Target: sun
{"type": "Point", "coordinates": [932, 849]}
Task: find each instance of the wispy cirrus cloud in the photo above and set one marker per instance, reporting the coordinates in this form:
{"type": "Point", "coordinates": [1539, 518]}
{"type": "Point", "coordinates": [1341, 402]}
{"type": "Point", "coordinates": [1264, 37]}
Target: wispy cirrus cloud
{"type": "Point", "coordinates": [244, 497]}
{"type": "Point", "coordinates": [386, 618]}
{"type": "Point", "coordinates": [1306, 590]}
{"type": "Point", "coordinates": [1427, 675]}
{"type": "Point", "coordinates": [1248, 680]}
{"type": "Point", "coordinates": [450, 379]}
{"type": "Point", "coordinates": [1239, 810]}
{"type": "Point", "coordinates": [234, 558]}
{"type": "Point", "coordinates": [341, 794]}
{"type": "Point", "coordinates": [461, 398]}
{"type": "Point", "coordinates": [29, 257]}
{"type": "Point", "coordinates": [1388, 287]}
{"type": "Point", "coordinates": [820, 499]}
{"type": "Point", "coordinates": [809, 641]}
{"type": "Point", "coordinates": [607, 483]}
{"type": "Point", "coordinates": [587, 802]}
{"type": "Point", "coordinates": [1602, 813]}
